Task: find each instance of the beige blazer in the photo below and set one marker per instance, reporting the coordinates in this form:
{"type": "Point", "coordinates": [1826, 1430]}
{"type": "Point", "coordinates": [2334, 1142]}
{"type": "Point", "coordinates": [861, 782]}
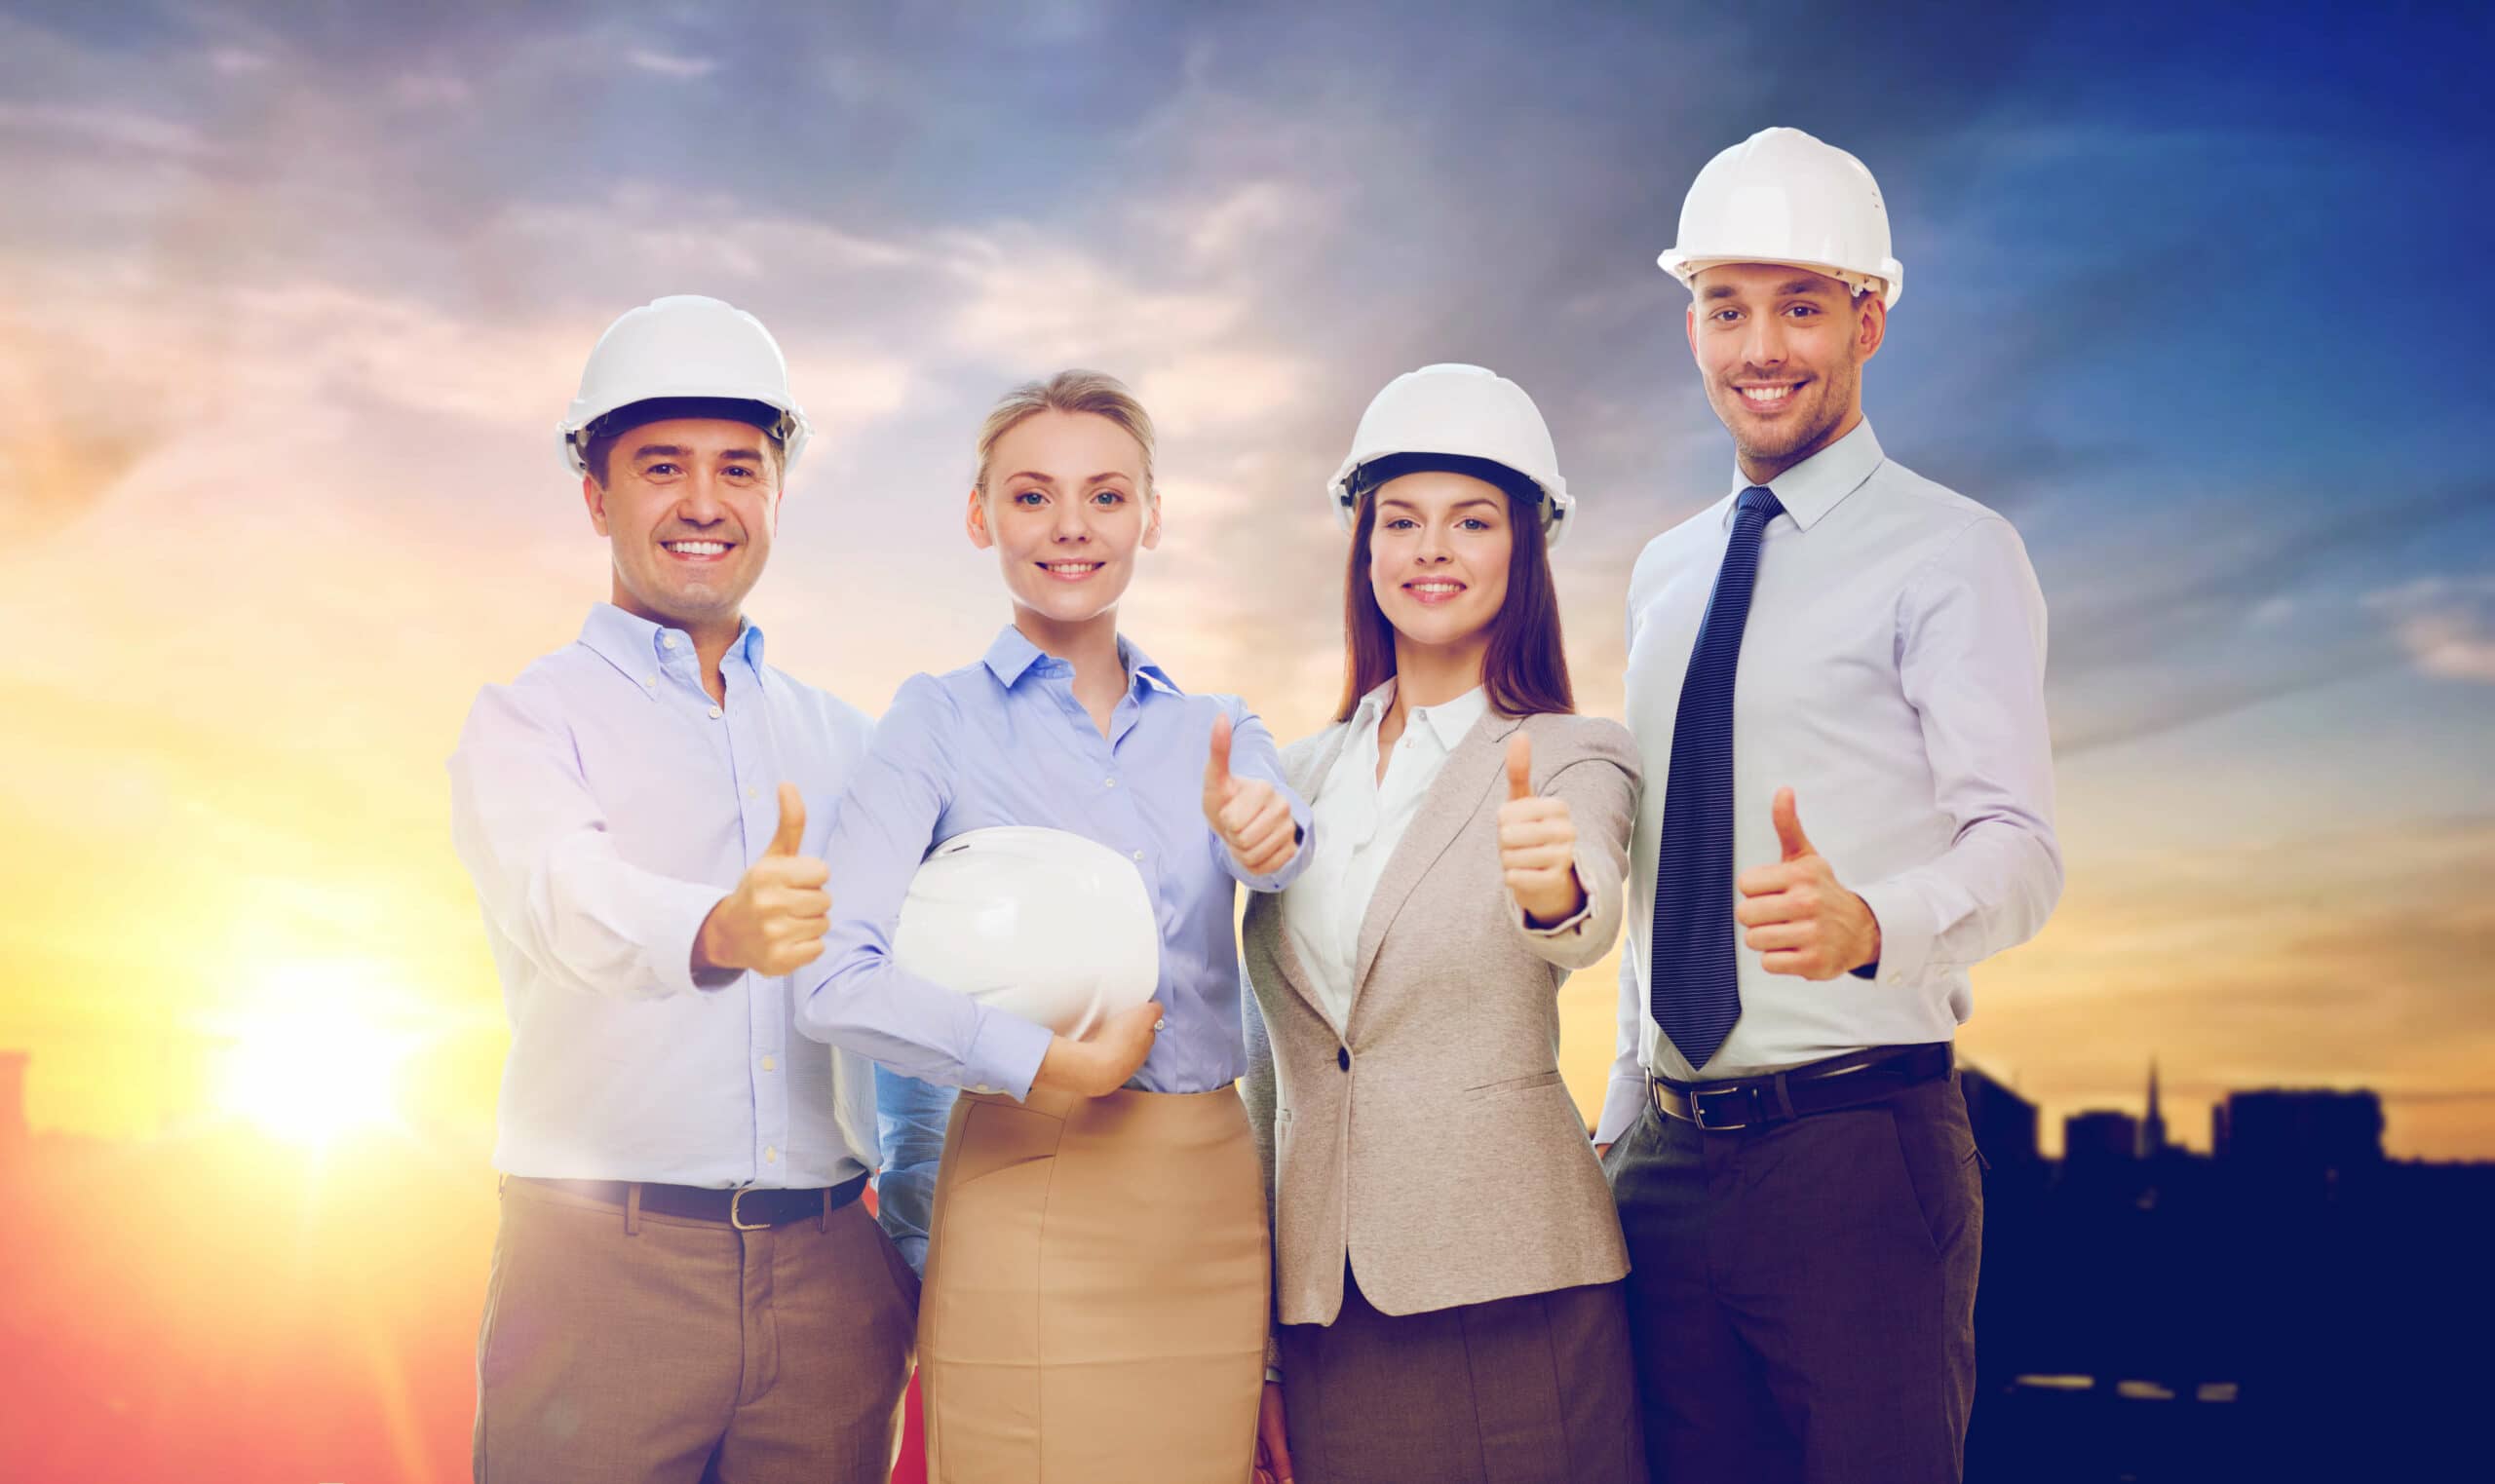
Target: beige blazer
{"type": "Point", "coordinates": [1430, 1140]}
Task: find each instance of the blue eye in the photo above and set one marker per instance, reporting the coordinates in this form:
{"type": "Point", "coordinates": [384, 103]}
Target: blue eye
{"type": "Point", "coordinates": [1028, 497]}
{"type": "Point", "coordinates": [1475, 522]}
{"type": "Point", "coordinates": [1108, 497]}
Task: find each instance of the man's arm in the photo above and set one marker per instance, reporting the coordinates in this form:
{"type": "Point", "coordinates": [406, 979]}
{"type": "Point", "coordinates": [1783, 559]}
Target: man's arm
{"type": "Point", "coordinates": [1972, 662]}
{"type": "Point", "coordinates": [536, 843]}
{"type": "Point", "coordinates": [910, 1119]}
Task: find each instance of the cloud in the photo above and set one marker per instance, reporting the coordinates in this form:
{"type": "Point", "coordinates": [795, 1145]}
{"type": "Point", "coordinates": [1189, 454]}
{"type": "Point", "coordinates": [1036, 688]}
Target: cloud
{"type": "Point", "coordinates": [2445, 626]}
{"type": "Point", "coordinates": [668, 65]}
{"type": "Point", "coordinates": [109, 127]}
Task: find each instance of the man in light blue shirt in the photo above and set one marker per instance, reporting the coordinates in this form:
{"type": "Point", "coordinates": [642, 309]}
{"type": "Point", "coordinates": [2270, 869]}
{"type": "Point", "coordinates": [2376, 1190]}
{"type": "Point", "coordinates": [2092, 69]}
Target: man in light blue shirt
{"type": "Point", "coordinates": [684, 1283]}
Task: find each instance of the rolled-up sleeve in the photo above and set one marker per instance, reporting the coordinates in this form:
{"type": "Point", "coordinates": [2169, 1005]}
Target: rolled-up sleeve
{"type": "Point", "coordinates": [1972, 662]}
{"type": "Point", "coordinates": [535, 841]}
{"type": "Point", "coordinates": [1253, 754]}
{"type": "Point", "coordinates": [855, 995]}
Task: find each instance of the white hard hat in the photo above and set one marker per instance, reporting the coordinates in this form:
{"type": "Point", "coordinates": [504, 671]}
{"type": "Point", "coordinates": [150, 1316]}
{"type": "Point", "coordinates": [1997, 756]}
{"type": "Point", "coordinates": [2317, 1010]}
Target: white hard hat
{"type": "Point", "coordinates": [1458, 409]}
{"type": "Point", "coordinates": [1783, 197]}
{"type": "Point", "coordinates": [1040, 923]}
{"type": "Point", "coordinates": [683, 345]}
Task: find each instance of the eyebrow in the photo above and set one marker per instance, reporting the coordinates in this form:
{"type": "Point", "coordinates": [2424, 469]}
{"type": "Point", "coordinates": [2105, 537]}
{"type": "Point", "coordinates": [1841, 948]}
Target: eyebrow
{"type": "Point", "coordinates": [1461, 505]}
{"type": "Point", "coordinates": [678, 451]}
{"type": "Point", "coordinates": [1033, 473]}
{"type": "Point", "coordinates": [1789, 288]}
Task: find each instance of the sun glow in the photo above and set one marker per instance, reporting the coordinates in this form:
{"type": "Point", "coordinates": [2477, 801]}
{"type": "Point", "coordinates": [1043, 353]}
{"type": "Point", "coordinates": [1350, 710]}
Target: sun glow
{"type": "Point", "coordinates": [313, 1069]}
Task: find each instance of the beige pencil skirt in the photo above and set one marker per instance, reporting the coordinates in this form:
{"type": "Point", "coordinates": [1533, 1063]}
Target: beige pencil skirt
{"type": "Point", "coordinates": [1096, 1304]}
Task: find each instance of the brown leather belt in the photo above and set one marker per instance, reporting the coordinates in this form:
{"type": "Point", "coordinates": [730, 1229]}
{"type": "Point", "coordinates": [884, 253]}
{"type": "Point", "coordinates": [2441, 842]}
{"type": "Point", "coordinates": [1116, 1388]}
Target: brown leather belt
{"type": "Point", "coordinates": [1820, 1087]}
{"type": "Point", "coordinates": [747, 1209]}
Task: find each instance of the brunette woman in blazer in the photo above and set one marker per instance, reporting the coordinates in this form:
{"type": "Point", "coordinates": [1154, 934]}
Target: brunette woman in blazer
{"type": "Point", "coordinates": [1448, 1257]}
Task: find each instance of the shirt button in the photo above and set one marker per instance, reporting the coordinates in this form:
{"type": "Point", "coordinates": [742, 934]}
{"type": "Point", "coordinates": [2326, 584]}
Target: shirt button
{"type": "Point", "coordinates": [1343, 1057]}
{"type": "Point", "coordinates": [1896, 976]}
{"type": "Point", "coordinates": [716, 713]}
{"type": "Point", "coordinates": [1108, 782]}
{"type": "Point", "coordinates": [750, 791]}
{"type": "Point", "coordinates": [769, 1157]}
{"type": "Point", "coordinates": [666, 641]}
{"type": "Point", "coordinates": [771, 1063]}
{"type": "Point", "coordinates": [1139, 854]}
{"type": "Point", "coordinates": [650, 681]}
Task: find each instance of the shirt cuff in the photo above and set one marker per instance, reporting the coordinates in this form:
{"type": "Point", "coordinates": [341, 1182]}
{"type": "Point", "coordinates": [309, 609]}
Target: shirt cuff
{"type": "Point", "coordinates": [1563, 928]}
{"type": "Point", "coordinates": [1906, 932]}
{"type": "Point", "coordinates": [1006, 1053]}
{"type": "Point", "coordinates": [679, 912]}
{"type": "Point", "coordinates": [1290, 870]}
{"type": "Point", "coordinates": [1623, 1103]}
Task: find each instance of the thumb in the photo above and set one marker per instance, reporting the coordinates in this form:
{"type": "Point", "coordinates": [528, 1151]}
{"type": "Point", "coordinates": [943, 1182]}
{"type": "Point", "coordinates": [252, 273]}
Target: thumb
{"type": "Point", "coordinates": [1788, 828]}
{"type": "Point", "coordinates": [1218, 763]}
{"type": "Point", "coordinates": [1519, 767]}
{"type": "Point", "coordinates": [791, 833]}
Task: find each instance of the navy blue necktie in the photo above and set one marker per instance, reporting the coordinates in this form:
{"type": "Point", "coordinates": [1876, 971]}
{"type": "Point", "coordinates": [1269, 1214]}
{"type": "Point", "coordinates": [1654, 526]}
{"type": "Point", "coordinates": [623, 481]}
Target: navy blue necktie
{"type": "Point", "coordinates": [1695, 993]}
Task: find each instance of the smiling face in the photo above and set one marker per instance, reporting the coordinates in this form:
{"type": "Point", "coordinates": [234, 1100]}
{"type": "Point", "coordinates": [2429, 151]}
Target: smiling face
{"type": "Point", "coordinates": [688, 505]}
{"type": "Point", "coordinates": [1438, 557]}
{"type": "Point", "coordinates": [1065, 508]}
{"type": "Point", "coordinates": [1780, 351]}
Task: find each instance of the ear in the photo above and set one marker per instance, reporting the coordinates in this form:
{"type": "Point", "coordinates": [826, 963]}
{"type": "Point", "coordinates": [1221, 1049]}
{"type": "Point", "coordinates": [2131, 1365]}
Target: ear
{"type": "Point", "coordinates": [1689, 323]}
{"type": "Point", "coordinates": [1152, 521]}
{"type": "Point", "coordinates": [975, 523]}
{"type": "Point", "coordinates": [1873, 328]}
{"type": "Point", "coordinates": [594, 494]}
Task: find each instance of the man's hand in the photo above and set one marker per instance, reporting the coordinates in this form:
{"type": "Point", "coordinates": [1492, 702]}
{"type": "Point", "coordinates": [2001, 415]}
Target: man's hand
{"type": "Point", "coordinates": [774, 922]}
{"type": "Point", "coordinates": [1103, 1061]}
{"type": "Point", "coordinates": [1250, 815]}
{"type": "Point", "coordinates": [1800, 917]}
{"type": "Point", "coordinates": [1537, 845]}
{"type": "Point", "coordinates": [1273, 1440]}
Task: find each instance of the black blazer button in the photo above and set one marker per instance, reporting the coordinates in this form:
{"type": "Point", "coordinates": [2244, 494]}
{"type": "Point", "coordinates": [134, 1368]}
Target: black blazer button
{"type": "Point", "coordinates": [1343, 1057]}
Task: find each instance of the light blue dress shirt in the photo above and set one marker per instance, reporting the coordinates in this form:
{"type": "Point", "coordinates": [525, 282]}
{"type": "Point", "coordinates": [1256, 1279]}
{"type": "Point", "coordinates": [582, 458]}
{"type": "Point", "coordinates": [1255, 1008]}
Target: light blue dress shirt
{"type": "Point", "coordinates": [602, 804]}
{"type": "Point", "coordinates": [1004, 742]}
{"type": "Point", "coordinates": [910, 1114]}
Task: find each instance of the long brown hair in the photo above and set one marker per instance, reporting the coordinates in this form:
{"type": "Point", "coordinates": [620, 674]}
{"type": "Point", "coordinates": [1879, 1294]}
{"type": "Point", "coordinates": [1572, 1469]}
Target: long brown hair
{"type": "Point", "coordinates": [1526, 666]}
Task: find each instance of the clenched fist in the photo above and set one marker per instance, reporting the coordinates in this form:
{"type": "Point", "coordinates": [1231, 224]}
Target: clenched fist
{"type": "Point", "coordinates": [1798, 915]}
{"type": "Point", "coordinates": [1250, 815]}
{"type": "Point", "coordinates": [774, 922]}
{"type": "Point", "coordinates": [1537, 845]}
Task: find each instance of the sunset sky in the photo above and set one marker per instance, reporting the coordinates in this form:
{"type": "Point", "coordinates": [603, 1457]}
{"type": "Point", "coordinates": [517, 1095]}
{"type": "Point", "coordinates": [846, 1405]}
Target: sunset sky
{"type": "Point", "coordinates": [289, 311]}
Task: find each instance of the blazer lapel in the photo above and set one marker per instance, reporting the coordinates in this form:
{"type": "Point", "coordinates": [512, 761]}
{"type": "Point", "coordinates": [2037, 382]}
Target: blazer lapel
{"type": "Point", "coordinates": [1445, 811]}
{"type": "Point", "coordinates": [1307, 780]}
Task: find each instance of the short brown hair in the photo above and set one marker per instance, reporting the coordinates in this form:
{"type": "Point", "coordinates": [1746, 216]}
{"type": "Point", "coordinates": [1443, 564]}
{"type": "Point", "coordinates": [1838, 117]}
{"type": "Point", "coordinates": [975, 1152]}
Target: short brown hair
{"type": "Point", "coordinates": [1526, 667]}
{"type": "Point", "coordinates": [1069, 390]}
{"type": "Point", "coordinates": [605, 433]}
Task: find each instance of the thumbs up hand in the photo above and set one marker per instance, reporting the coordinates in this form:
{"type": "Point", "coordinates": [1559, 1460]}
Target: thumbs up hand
{"type": "Point", "coordinates": [774, 922]}
{"type": "Point", "coordinates": [1537, 845]}
{"type": "Point", "coordinates": [1799, 917]}
{"type": "Point", "coordinates": [1249, 814]}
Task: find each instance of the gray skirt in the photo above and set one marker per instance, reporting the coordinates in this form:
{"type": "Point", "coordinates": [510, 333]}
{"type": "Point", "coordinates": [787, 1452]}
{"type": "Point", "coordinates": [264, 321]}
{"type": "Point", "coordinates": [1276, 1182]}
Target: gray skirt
{"type": "Point", "coordinates": [1520, 1391]}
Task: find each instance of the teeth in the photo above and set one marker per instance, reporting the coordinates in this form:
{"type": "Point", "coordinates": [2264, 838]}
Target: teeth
{"type": "Point", "coordinates": [1767, 393]}
{"type": "Point", "coordinates": [698, 548]}
{"type": "Point", "coordinates": [1436, 590]}
{"type": "Point", "coordinates": [1072, 568]}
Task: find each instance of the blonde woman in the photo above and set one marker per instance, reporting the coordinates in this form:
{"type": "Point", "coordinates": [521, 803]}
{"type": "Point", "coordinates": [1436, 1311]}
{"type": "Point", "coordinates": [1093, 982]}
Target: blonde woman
{"type": "Point", "coordinates": [1447, 1261]}
{"type": "Point", "coordinates": [1096, 1294]}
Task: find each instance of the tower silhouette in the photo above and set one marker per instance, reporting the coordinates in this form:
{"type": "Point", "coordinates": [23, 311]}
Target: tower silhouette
{"type": "Point", "coordinates": [2152, 1126]}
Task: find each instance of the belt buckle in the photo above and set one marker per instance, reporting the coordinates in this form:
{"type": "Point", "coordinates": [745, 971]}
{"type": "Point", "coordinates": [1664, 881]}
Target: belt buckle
{"type": "Point", "coordinates": [1697, 1106]}
{"type": "Point", "coordinates": [736, 1219]}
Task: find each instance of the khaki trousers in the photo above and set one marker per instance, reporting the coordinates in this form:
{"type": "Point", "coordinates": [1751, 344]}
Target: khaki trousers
{"type": "Point", "coordinates": [624, 1348]}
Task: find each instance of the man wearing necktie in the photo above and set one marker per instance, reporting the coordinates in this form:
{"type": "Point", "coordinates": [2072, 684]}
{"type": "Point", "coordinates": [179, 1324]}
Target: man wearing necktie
{"type": "Point", "coordinates": [1835, 677]}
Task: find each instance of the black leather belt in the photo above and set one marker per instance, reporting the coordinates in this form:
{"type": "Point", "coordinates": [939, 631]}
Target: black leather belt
{"type": "Point", "coordinates": [748, 1209]}
{"type": "Point", "coordinates": [1820, 1087]}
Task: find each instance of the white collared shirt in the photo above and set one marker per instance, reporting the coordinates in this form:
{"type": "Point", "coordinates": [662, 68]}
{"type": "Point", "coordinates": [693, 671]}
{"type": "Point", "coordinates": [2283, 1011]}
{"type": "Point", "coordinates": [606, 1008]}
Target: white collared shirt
{"type": "Point", "coordinates": [1892, 675]}
{"type": "Point", "coordinates": [1359, 820]}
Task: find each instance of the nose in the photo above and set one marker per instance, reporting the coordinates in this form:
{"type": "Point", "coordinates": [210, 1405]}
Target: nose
{"type": "Point", "coordinates": [1763, 343]}
{"type": "Point", "coordinates": [1432, 548]}
{"type": "Point", "coordinates": [1070, 524]}
{"type": "Point", "coordinates": [701, 504]}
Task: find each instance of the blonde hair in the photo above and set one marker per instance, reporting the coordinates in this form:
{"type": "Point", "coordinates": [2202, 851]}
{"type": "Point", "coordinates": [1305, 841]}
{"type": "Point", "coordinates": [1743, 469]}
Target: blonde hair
{"type": "Point", "coordinates": [1070, 391]}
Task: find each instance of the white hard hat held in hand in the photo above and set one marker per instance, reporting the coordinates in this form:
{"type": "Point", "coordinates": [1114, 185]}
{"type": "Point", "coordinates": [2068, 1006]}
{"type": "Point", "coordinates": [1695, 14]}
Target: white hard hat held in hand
{"type": "Point", "coordinates": [1783, 196]}
{"type": "Point", "coordinates": [685, 345]}
{"type": "Point", "coordinates": [1463, 411]}
{"type": "Point", "coordinates": [1043, 924]}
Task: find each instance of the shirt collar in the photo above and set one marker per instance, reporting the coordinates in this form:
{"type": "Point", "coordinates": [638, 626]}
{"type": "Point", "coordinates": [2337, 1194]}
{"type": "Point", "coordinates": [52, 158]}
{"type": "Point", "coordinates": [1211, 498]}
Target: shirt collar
{"type": "Point", "coordinates": [631, 643]}
{"type": "Point", "coordinates": [1012, 656]}
{"type": "Point", "coordinates": [1449, 721]}
{"type": "Point", "coordinates": [1815, 486]}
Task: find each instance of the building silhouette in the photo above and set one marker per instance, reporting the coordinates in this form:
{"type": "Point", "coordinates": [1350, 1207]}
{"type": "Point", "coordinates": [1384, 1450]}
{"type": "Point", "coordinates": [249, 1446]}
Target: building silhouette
{"type": "Point", "coordinates": [2098, 1139]}
{"type": "Point", "coordinates": [2004, 1123]}
{"type": "Point", "coordinates": [2302, 1130]}
{"type": "Point", "coordinates": [2153, 1124]}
